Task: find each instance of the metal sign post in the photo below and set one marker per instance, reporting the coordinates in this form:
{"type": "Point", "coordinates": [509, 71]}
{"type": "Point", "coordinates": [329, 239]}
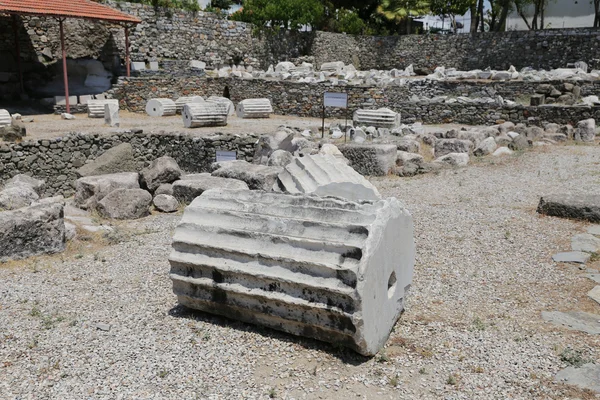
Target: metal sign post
{"type": "Point", "coordinates": [334, 99]}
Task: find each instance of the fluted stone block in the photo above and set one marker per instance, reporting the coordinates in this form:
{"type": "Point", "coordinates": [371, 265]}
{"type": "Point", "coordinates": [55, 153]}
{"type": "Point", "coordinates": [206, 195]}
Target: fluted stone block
{"type": "Point", "coordinates": [96, 107]}
{"type": "Point", "coordinates": [160, 107]}
{"type": "Point", "coordinates": [223, 101]}
{"type": "Point", "coordinates": [197, 115]}
{"type": "Point", "coordinates": [5, 118]}
{"type": "Point", "coordinates": [324, 268]}
{"type": "Point", "coordinates": [325, 175]}
{"type": "Point", "coordinates": [254, 108]}
{"type": "Point", "coordinates": [381, 118]}
{"type": "Point", "coordinates": [180, 102]}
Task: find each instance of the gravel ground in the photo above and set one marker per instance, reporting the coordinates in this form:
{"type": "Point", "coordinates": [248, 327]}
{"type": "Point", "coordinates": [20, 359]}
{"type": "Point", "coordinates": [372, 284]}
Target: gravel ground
{"type": "Point", "coordinates": [472, 328]}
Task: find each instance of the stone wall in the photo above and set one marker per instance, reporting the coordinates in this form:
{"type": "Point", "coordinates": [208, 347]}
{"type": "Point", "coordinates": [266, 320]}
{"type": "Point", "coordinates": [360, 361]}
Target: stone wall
{"type": "Point", "coordinates": [57, 160]}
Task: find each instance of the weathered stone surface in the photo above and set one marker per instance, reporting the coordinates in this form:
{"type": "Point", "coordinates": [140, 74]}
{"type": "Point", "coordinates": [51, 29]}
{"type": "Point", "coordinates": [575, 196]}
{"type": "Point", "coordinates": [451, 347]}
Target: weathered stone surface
{"type": "Point", "coordinates": [519, 143]}
{"type": "Point", "coordinates": [162, 170]}
{"type": "Point", "coordinates": [254, 108]}
{"type": "Point", "coordinates": [502, 151]}
{"type": "Point", "coordinates": [485, 147]}
{"type": "Point", "coordinates": [586, 130]}
{"type": "Point", "coordinates": [165, 203]}
{"type": "Point", "coordinates": [447, 146]}
{"type": "Point", "coordinates": [332, 150]}
{"type": "Point", "coordinates": [319, 267]}
{"type": "Point", "coordinates": [585, 242]}
{"type": "Point", "coordinates": [182, 101]}
{"type": "Point", "coordinates": [111, 115]}
{"type": "Point", "coordinates": [125, 204]}
{"type": "Point", "coordinates": [381, 118]}
{"type": "Point", "coordinates": [577, 257]}
{"type": "Point", "coordinates": [371, 159]}
{"type": "Point", "coordinates": [280, 158]}
{"type": "Point", "coordinates": [37, 185]}
{"type": "Point", "coordinates": [164, 188]}
{"type": "Point", "coordinates": [96, 108]}
{"type": "Point", "coordinates": [586, 377]}
{"type": "Point", "coordinates": [325, 176]}
{"type": "Point", "coordinates": [585, 207]}
{"type": "Point", "coordinates": [258, 177]}
{"type": "Point", "coordinates": [408, 145]}
{"type": "Point", "coordinates": [5, 118]}
{"type": "Point", "coordinates": [223, 101]}
{"type": "Point", "coordinates": [267, 144]}
{"type": "Point", "coordinates": [574, 320]}
{"type": "Point", "coordinates": [594, 294]}
{"type": "Point", "coordinates": [192, 186]}
{"type": "Point", "coordinates": [13, 132]}
{"type": "Point", "coordinates": [196, 115]}
{"type": "Point", "coordinates": [161, 107]}
{"type": "Point", "coordinates": [13, 197]}
{"type": "Point", "coordinates": [404, 157]}
{"type": "Point", "coordinates": [91, 189]}
{"type": "Point", "coordinates": [453, 160]}
{"type": "Point", "coordinates": [32, 231]}
{"type": "Point", "coordinates": [117, 159]}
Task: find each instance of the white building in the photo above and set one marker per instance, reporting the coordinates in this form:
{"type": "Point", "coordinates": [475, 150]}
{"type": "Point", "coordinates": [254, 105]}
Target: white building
{"type": "Point", "coordinates": [558, 14]}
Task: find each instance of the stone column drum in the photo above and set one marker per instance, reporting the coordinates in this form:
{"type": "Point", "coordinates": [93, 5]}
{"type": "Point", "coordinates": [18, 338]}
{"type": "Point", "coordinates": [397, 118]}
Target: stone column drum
{"type": "Point", "coordinates": [324, 268]}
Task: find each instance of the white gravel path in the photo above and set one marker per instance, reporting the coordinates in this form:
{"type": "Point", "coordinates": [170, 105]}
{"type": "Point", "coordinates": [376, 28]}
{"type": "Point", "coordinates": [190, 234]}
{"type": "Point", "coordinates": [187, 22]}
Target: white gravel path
{"type": "Point", "coordinates": [472, 329]}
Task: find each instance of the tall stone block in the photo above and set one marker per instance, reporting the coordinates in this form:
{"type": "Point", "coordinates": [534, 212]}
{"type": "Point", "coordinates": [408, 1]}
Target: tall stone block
{"type": "Point", "coordinates": [96, 107]}
{"type": "Point", "coordinates": [324, 268]}
{"type": "Point", "coordinates": [111, 115]}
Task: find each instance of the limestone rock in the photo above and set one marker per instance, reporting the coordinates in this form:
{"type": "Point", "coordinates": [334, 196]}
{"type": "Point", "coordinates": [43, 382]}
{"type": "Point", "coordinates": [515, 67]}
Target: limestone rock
{"type": "Point", "coordinates": [408, 145]}
{"type": "Point", "coordinates": [38, 185]}
{"type": "Point", "coordinates": [594, 294]}
{"type": "Point", "coordinates": [254, 108]}
{"type": "Point", "coordinates": [404, 157]}
{"type": "Point", "coordinates": [165, 203]}
{"type": "Point", "coordinates": [114, 160]}
{"type": "Point", "coordinates": [192, 186]}
{"type": "Point", "coordinates": [447, 146]}
{"type": "Point", "coordinates": [502, 151]}
{"type": "Point", "coordinates": [585, 242]}
{"type": "Point", "coordinates": [586, 130]}
{"type": "Point", "coordinates": [371, 159]}
{"type": "Point", "coordinates": [486, 147]}
{"type": "Point", "coordinates": [325, 176]}
{"type": "Point", "coordinates": [519, 143]}
{"type": "Point", "coordinates": [453, 160]}
{"type": "Point", "coordinates": [162, 170]}
{"type": "Point", "coordinates": [280, 158]}
{"type": "Point", "coordinates": [32, 231]}
{"type": "Point", "coordinates": [125, 204]}
{"type": "Point", "coordinates": [319, 267]}
{"type": "Point", "coordinates": [91, 189]}
{"type": "Point", "coordinates": [586, 377]}
{"type": "Point", "coordinates": [14, 197]}
{"type": "Point", "coordinates": [164, 188]}
{"type": "Point", "coordinates": [182, 101]}
{"type": "Point", "coordinates": [96, 108]}
{"type": "Point", "coordinates": [267, 144]}
{"type": "Point", "coordinates": [577, 257]}
{"type": "Point", "coordinates": [257, 177]}
{"type": "Point", "coordinates": [574, 320]}
{"type": "Point", "coordinates": [584, 207]}
{"type": "Point", "coordinates": [332, 150]}
{"type": "Point", "coordinates": [13, 132]}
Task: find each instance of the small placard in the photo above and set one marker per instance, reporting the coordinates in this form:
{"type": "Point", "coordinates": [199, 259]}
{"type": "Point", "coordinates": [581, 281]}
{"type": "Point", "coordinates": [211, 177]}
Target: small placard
{"type": "Point", "coordinates": [226, 155]}
{"type": "Point", "coordinates": [334, 99]}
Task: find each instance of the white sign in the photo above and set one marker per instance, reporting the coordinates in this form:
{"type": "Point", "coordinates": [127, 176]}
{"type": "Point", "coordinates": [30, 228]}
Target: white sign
{"type": "Point", "coordinates": [226, 155]}
{"type": "Point", "coordinates": [333, 99]}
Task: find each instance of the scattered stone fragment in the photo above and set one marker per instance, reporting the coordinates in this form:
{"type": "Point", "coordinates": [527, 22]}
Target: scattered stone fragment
{"type": "Point", "coordinates": [91, 189]}
{"type": "Point", "coordinates": [594, 294]}
{"type": "Point", "coordinates": [14, 197]}
{"type": "Point", "coordinates": [37, 185]}
{"type": "Point", "coordinates": [162, 170]}
{"type": "Point", "coordinates": [67, 116]}
{"type": "Point", "coordinates": [371, 159]}
{"type": "Point", "coordinates": [280, 158]}
{"type": "Point", "coordinates": [70, 231]}
{"type": "Point", "coordinates": [381, 118]}
{"type": "Point", "coordinates": [577, 257]}
{"type": "Point", "coordinates": [103, 327]}
{"type": "Point", "coordinates": [586, 377]}
{"type": "Point", "coordinates": [125, 204]}
{"type": "Point", "coordinates": [447, 146]}
{"type": "Point", "coordinates": [267, 144]}
{"type": "Point", "coordinates": [453, 160]}
{"type": "Point", "coordinates": [258, 177]}
{"type": "Point", "coordinates": [487, 146]}
{"type": "Point", "coordinates": [584, 207]}
{"type": "Point", "coordinates": [594, 276]}
{"type": "Point", "coordinates": [164, 188]}
{"type": "Point", "coordinates": [585, 131]}
{"type": "Point", "coordinates": [332, 150]}
{"type": "Point", "coordinates": [117, 159]}
{"type": "Point", "coordinates": [502, 151]}
{"type": "Point", "coordinates": [165, 203]}
{"type": "Point", "coordinates": [519, 143]}
{"type": "Point", "coordinates": [574, 320]}
{"type": "Point", "coordinates": [404, 157]}
{"type": "Point", "coordinates": [192, 186]}
{"type": "Point", "coordinates": [585, 242]}
{"type": "Point", "coordinates": [594, 230]}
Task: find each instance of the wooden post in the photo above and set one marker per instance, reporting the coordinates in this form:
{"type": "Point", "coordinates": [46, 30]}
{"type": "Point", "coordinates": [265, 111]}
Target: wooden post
{"type": "Point", "coordinates": [64, 56]}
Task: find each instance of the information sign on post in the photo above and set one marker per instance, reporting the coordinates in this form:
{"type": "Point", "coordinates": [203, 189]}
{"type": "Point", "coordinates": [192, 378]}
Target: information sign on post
{"type": "Point", "coordinates": [226, 155]}
{"type": "Point", "coordinates": [337, 100]}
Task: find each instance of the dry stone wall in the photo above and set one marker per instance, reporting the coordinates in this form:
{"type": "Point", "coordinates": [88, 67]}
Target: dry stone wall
{"type": "Point", "coordinates": [57, 160]}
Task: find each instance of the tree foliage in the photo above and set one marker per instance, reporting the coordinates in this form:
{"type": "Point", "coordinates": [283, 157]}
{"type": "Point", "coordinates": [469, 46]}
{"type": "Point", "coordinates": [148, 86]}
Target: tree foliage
{"type": "Point", "coordinates": [450, 8]}
{"type": "Point", "coordinates": [272, 15]}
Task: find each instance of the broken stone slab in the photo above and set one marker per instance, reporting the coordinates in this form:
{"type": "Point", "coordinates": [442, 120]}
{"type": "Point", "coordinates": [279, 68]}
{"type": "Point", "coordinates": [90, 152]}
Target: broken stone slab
{"type": "Point", "coordinates": [584, 207]}
{"type": "Point", "coordinates": [164, 188]}
{"type": "Point", "coordinates": [447, 146]}
{"type": "Point", "coordinates": [5, 118]}
{"type": "Point", "coordinates": [594, 230]}
{"type": "Point", "coordinates": [161, 107]}
{"type": "Point", "coordinates": [38, 185]}
{"type": "Point", "coordinates": [96, 107]}
{"type": "Point", "coordinates": [116, 159]}
{"type": "Point", "coordinates": [332, 150]}
{"type": "Point", "coordinates": [585, 130]}
{"type": "Point", "coordinates": [404, 157]}
{"type": "Point", "coordinates": [267, 144]}
{"type": "Point", "coordinates": [574, 320]}
{"type": "Point", "coordinates": [254, 108]}
{"type": "Point", "coordinates": [594, 294]}
{"type": "Point", "coordinates": [14, 197]}
{"type": "Point", "coordinates": [453, 160]}
{"type": "Point", "coordinates": [67, 116]}
{"type": "Point", "coordinates": [162, 170]}
{"type": "Point", "coordinates": [182, 101]}
{"type": "Point", "coordinates": [325, 268]}
{"type": "Point", "coordinates": [381, 118]}
{"type": "Point", "coordinates": [594, 276]}
{"type": "Point", "coordinates": [586, 377]}
{"type": "Point", "coordinates": [192, 186]}
{"type": "Point", "coordinates": [196, 64]}
{"type": "Point", "coordinates": [280, 158]}
{"type": "Point", "coordinates": [577, 257]}
{"type": "Point", "coordinates": [165, 203]}
{"type": "Point", "coordinates": [125, 204]}
{"type": "Point", "coordinates": [224, 101]}
{"type": "Point", "coordinates": [32, 231]}
{"type": "Point", "coordinates": [519, 143]}
{"type": "Point", "coordinates": [258, 177]}
{"type": "Point", "coordinates": [485, 147]}
{"type": "Point", "coordinates": [111, 115]}
{"type": "Point", "coordinates": [197, 115]}
{"type": "Point", "coordinates": [585, 242]}
{"type": "Point", "coordinates": [91, 189]}
{"type": "Point", "coordinates": [371, 159]}
{"type": "Point", "coordinates": [325, 176]}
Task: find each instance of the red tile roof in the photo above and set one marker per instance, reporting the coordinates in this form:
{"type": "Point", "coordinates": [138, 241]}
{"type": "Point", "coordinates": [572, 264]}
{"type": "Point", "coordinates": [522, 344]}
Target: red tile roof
{"type": "Point", "coordinates": [66, 8]}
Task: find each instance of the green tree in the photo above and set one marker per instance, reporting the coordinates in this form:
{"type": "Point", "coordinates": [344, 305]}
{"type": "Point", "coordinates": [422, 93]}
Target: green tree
{"type": "Point", "coordinates": [497, 14]}
{"type": "Point", "coordinates": [451, 8]}
{"type": "Point", "coordinates": [403, 10]}
{"type": "Point", "coordinates": [539, 7]}
{"type": "Point", "coordinates": [346, 21]}
{"type": "Point", "coordinates": [271, 15]}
